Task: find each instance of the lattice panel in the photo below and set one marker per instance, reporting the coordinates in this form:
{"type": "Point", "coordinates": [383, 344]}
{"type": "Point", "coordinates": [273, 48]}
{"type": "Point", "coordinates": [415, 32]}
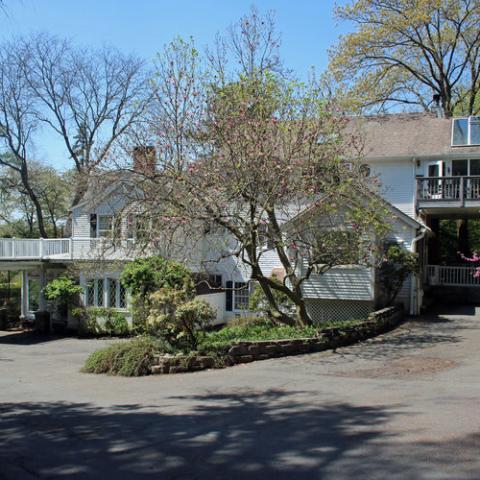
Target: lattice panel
{"type": "Point", "coordinates": [323, 310]}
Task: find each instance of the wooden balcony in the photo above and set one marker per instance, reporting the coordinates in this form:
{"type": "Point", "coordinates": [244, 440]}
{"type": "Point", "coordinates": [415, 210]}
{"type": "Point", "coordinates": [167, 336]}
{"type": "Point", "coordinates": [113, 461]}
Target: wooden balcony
{"type": "Point", "coordinates": [448, 192]}
{"type": "Point", "coordinates": [65, 249]}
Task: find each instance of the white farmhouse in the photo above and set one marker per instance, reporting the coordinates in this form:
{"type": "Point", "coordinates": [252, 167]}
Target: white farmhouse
{"type": "Point", "coordinates": [429, 171]}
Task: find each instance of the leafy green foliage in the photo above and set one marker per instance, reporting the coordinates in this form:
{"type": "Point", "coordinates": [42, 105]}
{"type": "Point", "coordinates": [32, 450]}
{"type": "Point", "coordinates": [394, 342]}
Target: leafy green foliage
{"type": "Point", "coordinates": [95, 321]}
{"type": "Point", "coordinates": [258, 302]}
{"type": "Point", "coordinates": [130, 359]}
{"type": "Point", "coordinates": [255, 329]}
{"type": "Point", "coordinates": [176, 320]}
{"type": "Point", "coordinates": [401, 52]}
{"type": "Point", "coordinates": [191, 319]}
{"type": "Point", "coordinates": [62, 289]}
{"type": "Point", "coordinates": [398, 264]}
{"type": "Point", "coordinates": [145, 276]}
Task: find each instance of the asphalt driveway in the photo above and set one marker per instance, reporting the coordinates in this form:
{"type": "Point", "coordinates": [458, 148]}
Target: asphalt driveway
{"type": "Point", "coordinates": [402, 406]}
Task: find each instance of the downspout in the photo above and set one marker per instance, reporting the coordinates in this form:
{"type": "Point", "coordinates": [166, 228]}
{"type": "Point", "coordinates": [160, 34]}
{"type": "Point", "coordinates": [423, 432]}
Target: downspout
{"type": "Point", "coordinates": [413, 283]}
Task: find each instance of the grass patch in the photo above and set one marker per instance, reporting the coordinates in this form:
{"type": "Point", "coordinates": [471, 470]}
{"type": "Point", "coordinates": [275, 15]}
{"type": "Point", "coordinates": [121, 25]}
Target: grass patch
{"type": "Point", "coordinates": [130, 359]}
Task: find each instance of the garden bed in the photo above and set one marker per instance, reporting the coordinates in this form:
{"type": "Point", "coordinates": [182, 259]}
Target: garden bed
{"type": "Point", "coordinates": [246, 351]}
{"type": "Point", "coordinates": [235, 345]}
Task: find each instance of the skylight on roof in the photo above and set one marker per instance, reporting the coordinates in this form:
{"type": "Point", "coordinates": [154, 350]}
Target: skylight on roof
{"type": "Point", "coordinates": [466, 131]}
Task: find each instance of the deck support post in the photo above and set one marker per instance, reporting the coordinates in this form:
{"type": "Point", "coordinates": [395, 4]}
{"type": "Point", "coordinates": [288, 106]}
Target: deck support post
{"type": "Point", "coordinates": [24, 296]}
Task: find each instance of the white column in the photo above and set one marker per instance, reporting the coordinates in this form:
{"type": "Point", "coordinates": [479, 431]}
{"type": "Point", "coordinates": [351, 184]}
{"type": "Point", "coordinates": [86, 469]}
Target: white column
{"type": "Point", "coordinates": [24, 295]}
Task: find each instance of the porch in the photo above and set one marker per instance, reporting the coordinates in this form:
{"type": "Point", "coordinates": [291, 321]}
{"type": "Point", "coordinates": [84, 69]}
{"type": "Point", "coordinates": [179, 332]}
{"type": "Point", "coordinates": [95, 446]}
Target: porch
{"type": "Point", "coordinates": [62, 249]}
{"type": "Point", "coordinates": [448, 192]}
{"type": "Point", "coordinates": [454, 276]}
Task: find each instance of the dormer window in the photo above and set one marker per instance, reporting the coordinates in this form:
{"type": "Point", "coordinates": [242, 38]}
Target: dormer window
{"type": "Point", "coordinates": [466, 131]}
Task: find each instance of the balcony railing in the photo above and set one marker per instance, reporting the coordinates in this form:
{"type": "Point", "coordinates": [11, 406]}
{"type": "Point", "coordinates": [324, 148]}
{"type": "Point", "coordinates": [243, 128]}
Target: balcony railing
{"type": "Point", "coordinates": [460, 189]}
{"type": "Point", "coordinates": [66, 249]}
{"type": "Point", "coordinates": [451, 276]}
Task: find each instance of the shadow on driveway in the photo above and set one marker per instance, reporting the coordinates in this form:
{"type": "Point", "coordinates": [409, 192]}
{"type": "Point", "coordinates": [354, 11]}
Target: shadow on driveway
{"type": "Point", "coordinates": [268, 435]}
{"type": "Point", "coordinates": [273, 435]}
{"type": "Point", "coordinates": [28, 338]}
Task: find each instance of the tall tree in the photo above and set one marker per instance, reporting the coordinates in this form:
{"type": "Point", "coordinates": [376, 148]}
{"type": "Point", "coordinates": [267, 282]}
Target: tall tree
{"type": "Point", "coordinates": [53, 190]}
{"type": "Point", "coordinates": [269, 147]}
{"type": "Point", "coordinates": [18, 123]}
{"type": "Point", "coordinates": [405, 52]}
{"type": "Point", "coordinates": [91, 98]}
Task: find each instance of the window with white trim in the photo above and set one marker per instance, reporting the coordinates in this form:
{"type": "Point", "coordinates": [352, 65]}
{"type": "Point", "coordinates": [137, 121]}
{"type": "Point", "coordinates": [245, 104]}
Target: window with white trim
{"type": "Point", "coordinates": [105, 292]}
{"type": "Point", "coordinates": [241, 295]}
{"type": "Point", "coordinates": [466, 131]}
{"type": "Point", "coordinates": [105, 226]}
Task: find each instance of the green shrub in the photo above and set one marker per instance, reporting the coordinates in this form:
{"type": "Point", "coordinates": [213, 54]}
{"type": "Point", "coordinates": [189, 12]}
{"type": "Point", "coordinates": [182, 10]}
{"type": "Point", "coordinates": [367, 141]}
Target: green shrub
{"type": "Point", "coordinates": [94, 321]}
{"type": "Point", "coordinates": [397, 266]}
{"type": "Point", "coordinates": [180, 324]}
{"type": "Point", "coordinates": [145, 276]}
{"type": "Point", "coordinates": [62, 289]}
{"type": "Point", "coordinates": [130, 359]}
{"type": "Point", "coordinates": [64, 292]}
{"type": "Point", "coordinates": [191, 319]}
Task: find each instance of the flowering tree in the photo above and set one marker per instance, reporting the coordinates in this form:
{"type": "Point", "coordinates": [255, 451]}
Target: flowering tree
{"type": "Point", "coordinates": [475, 259]}
{"type": "Point", "coordinates": [268, 173]}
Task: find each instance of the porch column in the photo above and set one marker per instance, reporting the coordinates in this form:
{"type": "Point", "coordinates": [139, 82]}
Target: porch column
{"type": "Point", "coordinates": [24, 295]}
{"type": "Point", "coordinates": [42, 302]}
{"type": "Point", "coordinates": [462, 235]}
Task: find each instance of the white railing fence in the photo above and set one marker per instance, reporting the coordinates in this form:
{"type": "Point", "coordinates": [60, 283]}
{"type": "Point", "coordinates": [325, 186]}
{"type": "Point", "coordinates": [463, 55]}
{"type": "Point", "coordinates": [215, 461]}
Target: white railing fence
{"type": "Point", "coordinates": [65, 248]}
{"type": "Point", "coordinates": [451, 276]}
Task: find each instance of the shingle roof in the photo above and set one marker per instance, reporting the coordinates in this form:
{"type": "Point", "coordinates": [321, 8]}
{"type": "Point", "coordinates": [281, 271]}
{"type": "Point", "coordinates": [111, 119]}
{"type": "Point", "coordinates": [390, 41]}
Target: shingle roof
{"type": "Point", "coordinates": [401, 135]}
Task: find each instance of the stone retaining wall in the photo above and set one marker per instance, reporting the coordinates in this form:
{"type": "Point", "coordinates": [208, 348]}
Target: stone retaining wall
{"type": "Point", "coordinates": [377, 323]}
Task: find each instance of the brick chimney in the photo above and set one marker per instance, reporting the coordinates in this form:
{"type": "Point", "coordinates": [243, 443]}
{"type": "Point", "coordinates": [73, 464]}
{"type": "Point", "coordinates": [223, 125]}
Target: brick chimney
{"type": "Point", "coordinates": [144, 159]}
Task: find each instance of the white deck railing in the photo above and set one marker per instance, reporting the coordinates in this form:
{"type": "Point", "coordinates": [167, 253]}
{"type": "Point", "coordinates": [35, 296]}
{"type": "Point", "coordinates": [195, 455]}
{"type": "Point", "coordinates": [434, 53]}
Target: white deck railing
{"type": "Point", "coordinates": [451, 276]}
{"type": "Point", "coordinates": [459, 189]}
{"type": "Point", "coordinates": [65, 249]}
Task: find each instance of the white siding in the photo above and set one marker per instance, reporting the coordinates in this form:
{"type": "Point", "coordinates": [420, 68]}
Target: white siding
{"type": "Point", "coordinates": [80, 223]}
{"type": "Point", "coordinates": [397, 184]}
{"type": "Point", "coordinates": [81, 214]}
{"type": "Point", "coordinates": [403, 235]}
{"type": "Point", "coordinates": [268, 261]}
{"type": "Point", "coordinates": [341, 283]}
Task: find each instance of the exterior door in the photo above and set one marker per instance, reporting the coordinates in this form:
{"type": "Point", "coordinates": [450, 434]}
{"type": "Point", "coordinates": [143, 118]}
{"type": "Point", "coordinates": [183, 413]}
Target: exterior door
{"type": "Point", "coordinates": [434, 187]}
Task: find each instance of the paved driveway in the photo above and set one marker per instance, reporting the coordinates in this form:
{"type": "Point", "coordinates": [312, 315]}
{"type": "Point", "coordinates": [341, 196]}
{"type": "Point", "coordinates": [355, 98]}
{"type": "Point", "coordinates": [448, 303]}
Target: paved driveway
{"type": "Point", "coordinates": [402, 406]}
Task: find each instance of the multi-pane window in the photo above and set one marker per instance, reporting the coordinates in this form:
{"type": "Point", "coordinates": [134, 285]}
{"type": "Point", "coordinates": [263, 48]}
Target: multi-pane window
{"type": "Point", "coordinates": [466, 131]}
{"type": "Point", "coordinates": [105, 226]}
{"type": "Point", "coordinates": [105, 292]}
{"type": "Point", "coordinates": [112, 285]}
{"type": "Point", "coordinates": [99, 293]}
{"type": "Point", "coordinates": [215, 281]}
{"type": "Point", "coordinates": [461, 168]}
{"type": "Point", "coordinates": [122, 296]}
{"type": "Point", "coordinates": [241, 295]}
{"type": "Point", "coordinates": [90, 293]}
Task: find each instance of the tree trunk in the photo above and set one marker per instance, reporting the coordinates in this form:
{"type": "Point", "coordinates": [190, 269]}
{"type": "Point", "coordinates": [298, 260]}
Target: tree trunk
{"type": "Point", "coordinates": [38, 210]}
{"type": "Point", "coordinates": [275, 313]}
{"type": "Point", "coordinates": [303, 318]}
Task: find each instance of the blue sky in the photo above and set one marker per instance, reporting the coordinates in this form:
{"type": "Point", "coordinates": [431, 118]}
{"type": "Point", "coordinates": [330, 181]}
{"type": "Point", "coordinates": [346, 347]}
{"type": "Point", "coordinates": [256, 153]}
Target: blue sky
{"type": "Point", "coordinates": [307, 27]}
